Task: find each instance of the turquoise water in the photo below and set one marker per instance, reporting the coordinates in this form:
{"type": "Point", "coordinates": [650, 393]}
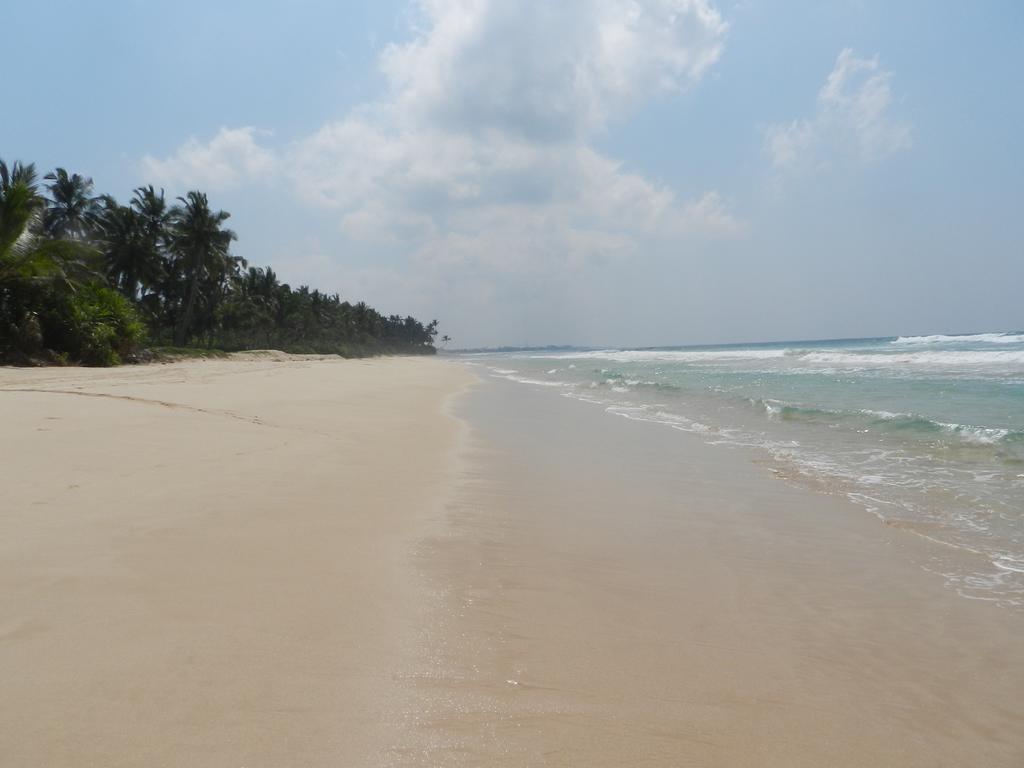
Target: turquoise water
{"type": "Point", "coordinates": [926, 432]}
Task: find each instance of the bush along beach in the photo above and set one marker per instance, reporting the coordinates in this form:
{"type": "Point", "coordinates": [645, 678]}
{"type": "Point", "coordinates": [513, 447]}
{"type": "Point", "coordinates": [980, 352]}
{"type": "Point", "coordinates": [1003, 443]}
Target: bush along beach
{"type": "Point", "coordinates": [85, 279]}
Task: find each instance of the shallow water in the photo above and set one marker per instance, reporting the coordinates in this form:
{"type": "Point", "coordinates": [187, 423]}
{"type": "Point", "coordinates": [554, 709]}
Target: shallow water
{"type": "Point", "coordinates": [927, 432]}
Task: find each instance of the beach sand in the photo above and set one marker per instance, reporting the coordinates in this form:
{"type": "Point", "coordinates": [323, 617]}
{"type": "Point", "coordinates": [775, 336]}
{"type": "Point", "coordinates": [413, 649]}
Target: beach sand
{"type": "Point", "coordinates": [273, 561]}
{"type": "Point", "coordinates": [622, 593]}
{"type": "Point", "coordinates": [206, 563]}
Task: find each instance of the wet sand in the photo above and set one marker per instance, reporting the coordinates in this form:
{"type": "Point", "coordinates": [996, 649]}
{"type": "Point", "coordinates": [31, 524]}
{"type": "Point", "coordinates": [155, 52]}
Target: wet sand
{"type": "Point", "coordinates": [620, 593]}
{"type": "Point", "coordinates": [300, 562]}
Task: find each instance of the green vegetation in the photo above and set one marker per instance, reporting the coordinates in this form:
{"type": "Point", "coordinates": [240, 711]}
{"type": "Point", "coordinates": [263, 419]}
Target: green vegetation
{"type": "Point", "coordinates": [170, 354]}
{"type": "Point", "coordinates": [86, 279]}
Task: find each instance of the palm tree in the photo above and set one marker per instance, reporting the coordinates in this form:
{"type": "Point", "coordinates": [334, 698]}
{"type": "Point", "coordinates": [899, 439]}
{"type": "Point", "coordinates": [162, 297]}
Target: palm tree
{"type": "Point", "coordinates": [133, 238]}
{"type": "Point", "coordinates": [200, 244]}
{"type": "Point", "coordinates": [72, 210]}
{"type": "Point", "coordinates": [19, 206]}
{"type": "Point", "coordinates": [154, 213]}
{"type": "Point", "coordinates": [17, 173]}
{"type": "Point", "coordinates": [24, 254]}
{"type": "Point", "coordinates": [131, 261]}
{"type": "Point", "coordinates": [159, 274]}
{"type": "Point", "coordinates": [29, 262]}
{"type": "Point", "coordinates": [445, 339]}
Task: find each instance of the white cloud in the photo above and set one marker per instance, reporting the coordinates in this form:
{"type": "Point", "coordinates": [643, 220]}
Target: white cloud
{"type": "Point", "coordinates": [488, 122]}
{"type": "Point", "coordinates": [474, 181]}
{"type": "Point", "coordinates": [853, 119]}
{"type": "Point", "coordinates": [545, 70]}
{"type": "Point", "coordinates": [230, 158]}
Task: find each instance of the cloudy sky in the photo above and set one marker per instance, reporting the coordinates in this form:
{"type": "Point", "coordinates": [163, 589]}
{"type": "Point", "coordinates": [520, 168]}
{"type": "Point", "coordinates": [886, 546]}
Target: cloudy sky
{"type": "Point", "coordinates": [601, 172]}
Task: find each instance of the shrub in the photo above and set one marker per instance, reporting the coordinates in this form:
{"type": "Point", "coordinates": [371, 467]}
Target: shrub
{"type": "Point", "coordinates": [93, 324]}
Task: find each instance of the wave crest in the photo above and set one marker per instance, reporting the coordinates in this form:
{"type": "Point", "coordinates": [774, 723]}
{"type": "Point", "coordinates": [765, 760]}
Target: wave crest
{"type": "Point", "coordinates": [967, 338]}
{"type": "Point", "coordinates": [1010, 442]}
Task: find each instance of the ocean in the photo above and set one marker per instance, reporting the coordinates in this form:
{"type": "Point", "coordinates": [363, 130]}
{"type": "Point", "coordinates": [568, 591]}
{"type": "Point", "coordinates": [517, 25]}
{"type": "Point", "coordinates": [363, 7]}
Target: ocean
{"type": "Point", "coordinates": [926, 432]}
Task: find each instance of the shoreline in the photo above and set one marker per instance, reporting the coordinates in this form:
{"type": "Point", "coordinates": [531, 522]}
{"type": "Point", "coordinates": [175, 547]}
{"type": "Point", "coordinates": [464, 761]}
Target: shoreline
{"type": "Point", "coordinates": [280, 560]}
{"type": "Point", "coordinates": [621, 593]}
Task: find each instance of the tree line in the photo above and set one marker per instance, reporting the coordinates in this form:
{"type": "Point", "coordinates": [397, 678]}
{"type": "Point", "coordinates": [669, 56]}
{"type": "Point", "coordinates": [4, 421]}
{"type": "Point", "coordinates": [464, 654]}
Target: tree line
{"type": "Point", "coordinates": [84, 278]}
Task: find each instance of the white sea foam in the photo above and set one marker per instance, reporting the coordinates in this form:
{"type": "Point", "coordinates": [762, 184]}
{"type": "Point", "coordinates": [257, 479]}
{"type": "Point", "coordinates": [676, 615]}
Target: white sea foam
{"type": "Point", "coordinates": [886, 415]}
{"type": "Point", "coordinates": [537, 382]}
{"type": "Point", "coordinates": [977, 435]}
{"type": "Point", "coordinates": [641, 413]}
{"type": "Point", "coordinates": [802, 358]}
{"type": "Point", "coordinates": [667, 356]}
{"type": "Point", "coordinates": [950, 359]}
{"type": "Point", "coordinates": [973, 338]}
{"type": "Point", "coordinates": [969, 433]}
{"type": "Point", "coordinates": [1009, 563]}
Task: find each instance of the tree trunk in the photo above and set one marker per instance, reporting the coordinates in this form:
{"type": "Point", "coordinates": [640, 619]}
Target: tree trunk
{"type": "Point", "coordinates": [181, 332]}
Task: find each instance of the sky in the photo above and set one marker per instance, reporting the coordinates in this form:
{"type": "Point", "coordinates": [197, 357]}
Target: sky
{"type": "Point", "coordinates": [590, 172]}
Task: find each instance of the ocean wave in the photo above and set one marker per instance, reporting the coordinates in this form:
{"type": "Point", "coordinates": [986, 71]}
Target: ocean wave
{"type": "Point", "coordinates": [666, 356]}
{"type": "Point", "coordinates": [1012, 563]}
{"type": "Point", "coordinates": [499, 373]}
{"type": "Point", "coordinates": [946, 359]}
{"type": "Point", "coordinates": [797, 358]}
{"type": "Point", "coordinates": [621, 382]}
{"type": "Point", "coordinates": [958, 484]}
{"type": "Point", "coordinates": [1010, 440]}
{"type": "Point", "coordinates": [967, 338]}
{"type": "Point", "coordinates": [674, 420]}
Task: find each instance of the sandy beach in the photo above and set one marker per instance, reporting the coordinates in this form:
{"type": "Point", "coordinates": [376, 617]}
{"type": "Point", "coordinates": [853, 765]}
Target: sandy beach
{"type": "Point", "coordinates": [622, 593]}
{"type": "Point", "coordinates": [206, 563]}
{"type": "Point", "coordinates": [278, 561]}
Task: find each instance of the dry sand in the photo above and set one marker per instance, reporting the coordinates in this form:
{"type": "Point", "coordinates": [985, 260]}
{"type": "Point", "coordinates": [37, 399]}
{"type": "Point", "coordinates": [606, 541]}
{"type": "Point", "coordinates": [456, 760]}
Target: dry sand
{"type": "Point", "coordinates": [283, 562]}
{"type": "Point", "coordinates": [206, 563]}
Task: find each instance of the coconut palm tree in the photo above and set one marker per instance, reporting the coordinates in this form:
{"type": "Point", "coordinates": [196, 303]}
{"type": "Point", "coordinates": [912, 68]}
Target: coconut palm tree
{"type": "Point", "coordinates": [134, 238]}
{"type": "Point", "coordinates": [19, 206]}
{"type": "Point", "coordinates": [130, 261]}
{"type": "Point", "coordinates": [31, 265]}
{"type": "Point", "coordinates": [200, 244]}
{"type": "Point", "coordinates": [17, 173]}
{"type": "Point", "coordinates": [155, 215]}
{"type": "Point", "coordinates": [72, 211]}
{"type": "Point", "coordinates": [25, 255]}
{"type": "Point", "coordinates": [159, 277]}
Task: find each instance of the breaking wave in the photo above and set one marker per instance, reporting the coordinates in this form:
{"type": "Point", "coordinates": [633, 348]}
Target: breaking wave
{"type": "Point", "coordinates": [1009, 443]}
{"type": "Point", "coordinates": [969, 338]}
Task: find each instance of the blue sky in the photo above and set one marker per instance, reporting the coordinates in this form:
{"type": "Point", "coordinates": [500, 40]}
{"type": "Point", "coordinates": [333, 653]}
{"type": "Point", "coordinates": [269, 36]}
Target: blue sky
{"type": "Point", "coordinates": [588, 171]}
